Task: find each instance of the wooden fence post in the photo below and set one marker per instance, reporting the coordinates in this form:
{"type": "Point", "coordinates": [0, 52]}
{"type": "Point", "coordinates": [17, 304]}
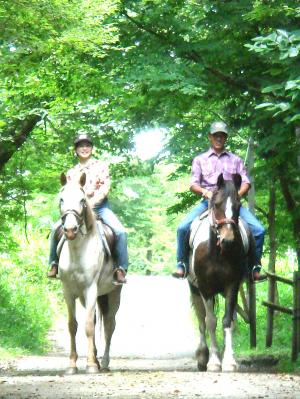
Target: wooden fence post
{"type": "Point", "coordinates": [296, 317]}
{"type": "Point", "coordinates": [252, 313]}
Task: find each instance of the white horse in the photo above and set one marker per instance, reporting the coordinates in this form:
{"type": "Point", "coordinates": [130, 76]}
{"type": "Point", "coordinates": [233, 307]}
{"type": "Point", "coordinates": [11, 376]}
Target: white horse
{"type": "Point", "coordinates": [86, 273]}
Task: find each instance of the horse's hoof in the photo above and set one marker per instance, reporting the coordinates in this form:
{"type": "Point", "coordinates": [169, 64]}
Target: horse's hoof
{"type": "Point", "coordinates": [229, 368]}
{"type": "Point", "coordinates": [104, 369]}
{"type": "Point", "coordinates": [71, 371]}
{"type": "Point", "coordinates": [104, 364]}
{"type": "Point", "coordinates": [201, 367]}
{"type": "Point", "coordinates": [92, 369]}
{"type": "Point", "coordinates": [214, 368]}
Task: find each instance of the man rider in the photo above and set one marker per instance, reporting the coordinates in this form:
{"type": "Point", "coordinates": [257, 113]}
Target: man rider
{"type": "Point", "coordinates": [97, 187]}
{"type": "Point", "coordinates": [206, 168]}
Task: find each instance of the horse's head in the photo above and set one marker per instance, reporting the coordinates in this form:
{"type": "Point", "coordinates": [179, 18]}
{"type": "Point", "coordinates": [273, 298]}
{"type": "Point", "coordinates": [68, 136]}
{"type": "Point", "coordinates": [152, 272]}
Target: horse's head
{"type": "Point", "coordinates": [225, 207]}
{"type": "Point", "coordinates": [72, 205]}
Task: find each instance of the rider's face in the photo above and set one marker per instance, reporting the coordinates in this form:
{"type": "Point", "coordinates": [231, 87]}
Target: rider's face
{"type": "Point", "coordinates": [218, 141]}
{"type": "Point", "coordinates": [84, 150]}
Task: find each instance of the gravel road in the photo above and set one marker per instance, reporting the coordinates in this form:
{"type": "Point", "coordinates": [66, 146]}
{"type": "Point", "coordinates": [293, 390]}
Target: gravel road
{"type": "Point", "coordinates": [151, 357]}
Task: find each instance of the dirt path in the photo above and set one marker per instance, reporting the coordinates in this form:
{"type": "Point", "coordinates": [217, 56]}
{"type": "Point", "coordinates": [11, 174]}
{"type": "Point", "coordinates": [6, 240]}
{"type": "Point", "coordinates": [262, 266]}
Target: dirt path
{"type": "Point", "coordinates": [151, 357]}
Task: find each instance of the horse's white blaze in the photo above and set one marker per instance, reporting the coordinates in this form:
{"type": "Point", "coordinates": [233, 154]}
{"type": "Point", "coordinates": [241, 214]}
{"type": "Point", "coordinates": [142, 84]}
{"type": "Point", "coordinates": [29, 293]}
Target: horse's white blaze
{"type": "Point", "coordinates": [228, 209]}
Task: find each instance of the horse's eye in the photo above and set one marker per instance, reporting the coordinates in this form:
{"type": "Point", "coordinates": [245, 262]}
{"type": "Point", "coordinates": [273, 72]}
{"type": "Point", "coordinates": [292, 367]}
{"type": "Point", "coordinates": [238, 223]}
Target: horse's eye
{"type": "Point", "coordinates": [61, 202]}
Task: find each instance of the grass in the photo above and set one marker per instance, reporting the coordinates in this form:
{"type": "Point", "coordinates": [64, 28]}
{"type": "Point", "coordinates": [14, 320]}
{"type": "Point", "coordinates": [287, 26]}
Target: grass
{"type": "Point", "coordinates": [25, 314]}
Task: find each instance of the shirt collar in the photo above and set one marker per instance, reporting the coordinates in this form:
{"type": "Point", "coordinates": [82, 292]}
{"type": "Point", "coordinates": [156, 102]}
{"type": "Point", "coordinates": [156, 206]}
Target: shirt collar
{"type": "Point", "coordinates": [87, 165]}
{"type": "Point", "coordinates": [211, 152]}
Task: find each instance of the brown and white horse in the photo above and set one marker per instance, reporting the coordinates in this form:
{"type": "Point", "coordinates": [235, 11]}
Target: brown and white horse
{"type": "Point", "coordinates": [219, 263]}
{"type": "Point", "coordinates": [86, 273]}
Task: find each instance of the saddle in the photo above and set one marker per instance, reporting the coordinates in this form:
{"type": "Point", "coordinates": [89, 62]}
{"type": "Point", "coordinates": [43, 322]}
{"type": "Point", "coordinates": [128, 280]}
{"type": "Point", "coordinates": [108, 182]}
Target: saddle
{"type": "Point", "coordinates": [106, 235]}
{"type": "Point", "coordinates": [199, 227]}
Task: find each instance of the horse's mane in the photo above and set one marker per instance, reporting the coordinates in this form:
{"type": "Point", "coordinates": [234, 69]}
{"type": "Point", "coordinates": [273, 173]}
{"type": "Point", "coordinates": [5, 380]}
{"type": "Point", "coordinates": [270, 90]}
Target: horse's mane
{"type": "Point", "coordinates": [90, 217]}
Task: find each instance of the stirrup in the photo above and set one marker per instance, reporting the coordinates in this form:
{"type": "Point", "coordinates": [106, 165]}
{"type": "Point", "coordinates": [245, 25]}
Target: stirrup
{"type": "Point", "coordinates": [179, 275]}
{"type": "Point", "coordinates": [53, 271]}
{"type": "Point", "coordinates": [260, 278]}
{"type": "Point", "coordinates": [115, 281]}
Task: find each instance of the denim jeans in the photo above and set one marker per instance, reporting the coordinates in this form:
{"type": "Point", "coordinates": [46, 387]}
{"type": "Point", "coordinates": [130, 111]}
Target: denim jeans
{"type": "Point", "coordinates": [113, 222]}
{"type": "Point", "coordinates": [109, 218]}
{"type": "Point", "coordinates": [183, 232]}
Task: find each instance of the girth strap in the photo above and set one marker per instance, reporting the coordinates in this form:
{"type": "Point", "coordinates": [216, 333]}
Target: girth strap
{"type": "Point", "coordinates": [103, 237]}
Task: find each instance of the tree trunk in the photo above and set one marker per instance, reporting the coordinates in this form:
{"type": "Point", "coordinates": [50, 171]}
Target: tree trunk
{"type": "Point", "coordinates": [18, 134]}
{"type": "Point", "coordinates": [292, 208]}
{"type": "Point", "coordinates": [271, 227]}
{"type": "Point", "coordinates": [297, 133]}
{"type": "Point", "coordinates": [250, 164]}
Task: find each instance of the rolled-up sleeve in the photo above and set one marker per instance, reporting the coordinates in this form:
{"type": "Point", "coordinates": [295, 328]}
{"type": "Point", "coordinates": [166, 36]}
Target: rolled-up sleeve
{"type": "Point", "coordinates": [241, 169]}
{"type": "Point", "coordinates": [196, 172]}
{"type": "Point", "coordinates": [103, 186]}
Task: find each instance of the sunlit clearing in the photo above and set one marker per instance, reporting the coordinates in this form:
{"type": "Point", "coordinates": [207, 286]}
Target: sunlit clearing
{"type": "Point", "coordinates": [149, 143]}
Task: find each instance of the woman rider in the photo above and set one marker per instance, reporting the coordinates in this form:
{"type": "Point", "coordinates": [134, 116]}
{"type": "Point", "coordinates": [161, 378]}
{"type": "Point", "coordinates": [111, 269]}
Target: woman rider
{"type": "Point", "coordinates": [96, 188]}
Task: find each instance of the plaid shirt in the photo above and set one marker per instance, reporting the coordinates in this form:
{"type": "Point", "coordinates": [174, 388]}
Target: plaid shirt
{"type": "Point", "coordinates": [207, 166]}
{"type": "Point", "coordinates": [97, 179]}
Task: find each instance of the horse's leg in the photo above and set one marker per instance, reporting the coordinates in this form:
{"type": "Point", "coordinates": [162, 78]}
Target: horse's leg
{"type": "Point", "coordinates": [214, 363]}
{"type": "Point", "coordinates": [90, 303]}
{"type": "Point", "coordinates": [202, 350]}
{"type": "Point", "coordinates": [72, 324]}
{"type": "Point", "coordinates": [109, 307]}
{"type": "Point", "coordinates": [228, 361]}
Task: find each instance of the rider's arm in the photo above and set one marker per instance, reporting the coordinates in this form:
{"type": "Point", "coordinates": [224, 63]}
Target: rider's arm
{"type": "Point", "coordinates": [195, 186]}
{"type": "Point", "coordinates": [245, 187]}
{"type": "Point", "coordinates": [241, 169]}
{"type": "Point", "coordinates": [197, 189]}
{"type": "Point", "coordinates": [102, 186]}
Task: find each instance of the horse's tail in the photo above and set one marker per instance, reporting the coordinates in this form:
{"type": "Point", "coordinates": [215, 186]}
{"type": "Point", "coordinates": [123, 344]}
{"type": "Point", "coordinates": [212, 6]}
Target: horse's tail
{"type": "Point", "coordinates": [102, 302]}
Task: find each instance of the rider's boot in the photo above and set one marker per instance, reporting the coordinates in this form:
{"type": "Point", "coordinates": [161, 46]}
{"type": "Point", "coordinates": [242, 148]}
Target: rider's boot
{"type": "Point", "coordinates": [53, 271]}
{"type": "Point", "coordinates": [119, 276]}
{"type": "Point", "coordinates": [257, 276]}
{"type": "Point", "coordinates": [181, 271]}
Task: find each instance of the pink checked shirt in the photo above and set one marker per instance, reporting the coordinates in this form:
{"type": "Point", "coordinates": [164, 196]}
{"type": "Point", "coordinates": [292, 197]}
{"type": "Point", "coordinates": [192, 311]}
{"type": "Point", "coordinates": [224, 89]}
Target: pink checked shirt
{"type": "Point", "coordinates": [97, 179]}
{"type": "Point", "coordinates": [207, 166]}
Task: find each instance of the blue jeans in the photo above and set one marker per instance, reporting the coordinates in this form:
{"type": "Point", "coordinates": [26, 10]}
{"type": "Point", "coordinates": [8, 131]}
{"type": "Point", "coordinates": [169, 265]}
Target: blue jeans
{"type": "Point", "coordinates": [109, 218]}
{"type": "Point", "coordinates": [183, 232]}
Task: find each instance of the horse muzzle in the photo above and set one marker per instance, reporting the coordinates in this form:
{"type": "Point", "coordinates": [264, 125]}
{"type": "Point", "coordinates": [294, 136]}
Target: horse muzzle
{"type": "Point", "coordinates": [71, 232]}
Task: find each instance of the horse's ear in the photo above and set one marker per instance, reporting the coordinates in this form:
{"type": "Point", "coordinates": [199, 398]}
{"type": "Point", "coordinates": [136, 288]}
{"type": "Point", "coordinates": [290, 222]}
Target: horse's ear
{"type": "Point", "coordinates": [63, 179]}
{"type": "Point", "coordinates": [220, 181]}
{"type": "Point", "coordinates": [82, 179]}
{"type": "Point", "coordinates": [237, 180]}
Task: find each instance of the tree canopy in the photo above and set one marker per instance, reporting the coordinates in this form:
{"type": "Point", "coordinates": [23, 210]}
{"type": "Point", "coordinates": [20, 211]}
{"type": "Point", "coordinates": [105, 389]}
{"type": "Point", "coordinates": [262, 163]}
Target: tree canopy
{"type": "Point", "coordinates": [114, 67]}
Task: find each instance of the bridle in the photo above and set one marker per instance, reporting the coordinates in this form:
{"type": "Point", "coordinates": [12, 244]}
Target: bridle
{"type": "Point", "coordinates": [216, 224]}
{"type": "Point", "coordinates": [80, 218]}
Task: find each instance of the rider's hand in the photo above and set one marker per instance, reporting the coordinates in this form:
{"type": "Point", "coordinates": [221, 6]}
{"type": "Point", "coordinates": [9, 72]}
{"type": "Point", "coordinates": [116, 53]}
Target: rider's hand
{"type": "Point", "coordinates": [207, 194]}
